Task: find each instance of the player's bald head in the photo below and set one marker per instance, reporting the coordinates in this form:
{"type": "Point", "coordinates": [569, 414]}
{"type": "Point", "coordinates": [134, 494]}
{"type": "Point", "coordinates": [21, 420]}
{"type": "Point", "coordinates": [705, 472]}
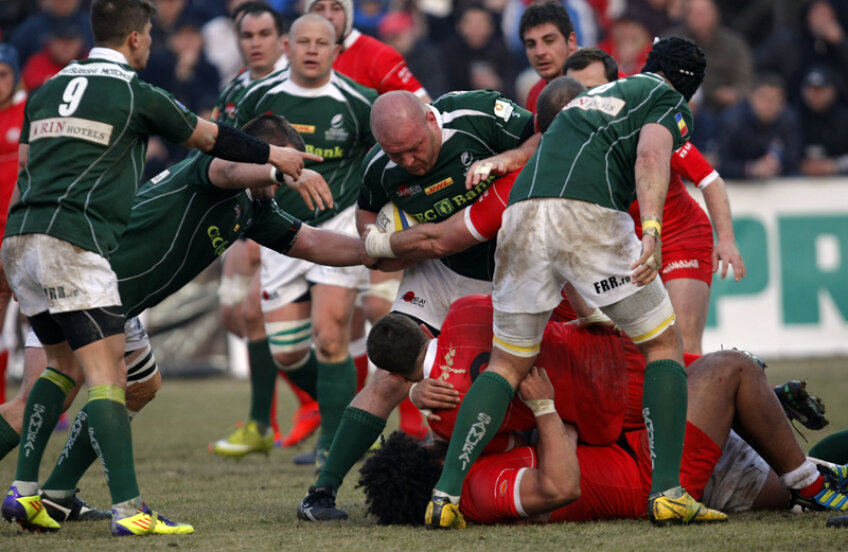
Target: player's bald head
{"type": "Point", "coordinates": [553, 98]}
{"type": "Point", "coordinates": [308, 20]}
{"type": "Point", "coordinates": [395, 112]}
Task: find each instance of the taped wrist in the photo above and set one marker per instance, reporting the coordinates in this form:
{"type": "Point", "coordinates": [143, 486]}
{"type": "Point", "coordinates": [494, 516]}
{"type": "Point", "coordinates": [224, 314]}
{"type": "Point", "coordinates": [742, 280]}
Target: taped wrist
{"type": "Point", "coordinates": [540, 407]}
{"type": "Point", "coordinates": [652, 226]}
{"type": "Point", "coordinates": [377, 244]}
{"type": "Point", "coordinates": [234, 145]}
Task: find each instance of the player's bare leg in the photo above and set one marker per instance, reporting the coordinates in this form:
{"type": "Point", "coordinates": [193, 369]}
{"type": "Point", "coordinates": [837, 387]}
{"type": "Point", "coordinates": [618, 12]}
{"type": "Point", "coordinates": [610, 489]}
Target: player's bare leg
{"type": "Point", "coordinates": [691, 301]}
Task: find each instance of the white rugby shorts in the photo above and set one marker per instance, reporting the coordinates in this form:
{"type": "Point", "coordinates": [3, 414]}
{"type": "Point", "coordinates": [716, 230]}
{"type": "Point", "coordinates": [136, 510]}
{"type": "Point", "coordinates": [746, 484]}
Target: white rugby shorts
{"type": "Point", "coordinates": [284, 279]}
{"type": "Point", "coordinates": [49, 274]}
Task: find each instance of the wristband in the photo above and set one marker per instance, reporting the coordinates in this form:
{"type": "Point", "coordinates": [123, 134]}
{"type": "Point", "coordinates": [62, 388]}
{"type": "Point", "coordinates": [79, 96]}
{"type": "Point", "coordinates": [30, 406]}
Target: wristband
{"type": "Point", "coordinates": [411, 387]}
{"type": "Point", "coordinates": [595, 317]}
{"type": "Point", "coordinates": [277, 176]}
{"type": "Point", "coordinates": [652, 226]}
{"type": "Point", "coordinates": [377, 244]}
{"type": "Point", "coordinates": [540, 407]}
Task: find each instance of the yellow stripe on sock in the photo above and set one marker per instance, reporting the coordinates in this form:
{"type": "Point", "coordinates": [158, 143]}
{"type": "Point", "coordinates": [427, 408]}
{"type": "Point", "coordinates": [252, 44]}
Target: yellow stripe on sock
{"type": "Point", "coordinates": [61, 381]}
{"type": "Point", "coordinates": [515, 349]}
{"type": "Point", "coordinates": [655, 332]}
{"type": "Point", "coordinates": [108, 393]}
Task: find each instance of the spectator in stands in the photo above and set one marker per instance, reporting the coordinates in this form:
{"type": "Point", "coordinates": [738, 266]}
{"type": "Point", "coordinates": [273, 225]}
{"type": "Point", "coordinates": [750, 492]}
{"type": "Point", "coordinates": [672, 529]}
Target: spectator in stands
{"type": "Point", "coordinates": [653, 14]}
{"type": "Point", "coordinates": [729, 58]}
{"type": "Point", "coordinates": [12, 13]}
{"type": "Point", "coordinates": [398, 30]}
{"type": "Point", "coordinates": [825, 126]}
{"type": "Point", "coordinates": [65, 43]}
{"type": "Point", "coordinates": [29, 37]}
{"type": "Point", "coordinates": [475, 58]}
{"type": "Point", "coordinates": [761, 137]}
{"type": "Point", "coordinates": [220, 40]}
{"type": "Point", "coordinates": [168, 12]}
{"type": "Point", "coordinates": [629, 42]}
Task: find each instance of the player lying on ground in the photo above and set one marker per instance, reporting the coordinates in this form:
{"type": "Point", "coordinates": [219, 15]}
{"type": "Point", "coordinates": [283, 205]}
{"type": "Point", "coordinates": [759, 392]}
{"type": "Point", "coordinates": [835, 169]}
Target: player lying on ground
{"type": "Point", "coordinates": [726, 390]}
{"type": "Point", "coordinates": [182, 220]}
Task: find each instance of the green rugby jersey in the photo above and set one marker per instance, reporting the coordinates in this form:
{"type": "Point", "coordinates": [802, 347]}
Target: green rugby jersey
{"type": "Point", "coordinates": [180, 224]}
{"type": "Point", "coordinates": [334, 121]}
{"type": "Point", "coordinates": [231, 95]}
{"type": "Point", "coordinates": [589, 151]}
{"type": "Point", "coordinates": [87, 130]}
{"type": "Point", "coordinates": [475, 125]}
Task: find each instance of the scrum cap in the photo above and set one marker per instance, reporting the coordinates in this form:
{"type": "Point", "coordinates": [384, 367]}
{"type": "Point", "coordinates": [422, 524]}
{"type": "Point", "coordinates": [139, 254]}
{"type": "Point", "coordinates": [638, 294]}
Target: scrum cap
{"type": "Point", "coordinates": [681, 61]}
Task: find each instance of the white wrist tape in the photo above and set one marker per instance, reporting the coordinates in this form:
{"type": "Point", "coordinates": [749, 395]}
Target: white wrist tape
{"type": "Point", "coordinates": [596, 317]}
{"type": "Point", "coordinates": [377, 244]}
{"type": "Point", "coordinates": [540, 407]}
{"type": "Point", "coordinates": [277, 177]}
{"type": "Point", "coordinates": [411, 387]}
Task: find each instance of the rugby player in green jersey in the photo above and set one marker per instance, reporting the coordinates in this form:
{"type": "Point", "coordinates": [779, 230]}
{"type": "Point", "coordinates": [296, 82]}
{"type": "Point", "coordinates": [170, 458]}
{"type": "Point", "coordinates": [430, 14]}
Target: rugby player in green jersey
{"type": "Point", "coordinates": [182, 220]}
{"type": "Point", "coordinates": [302, 301]}
{"type": "Point", "coordinates": [82, 150]}
{"type": "Point", "coordinates": [567, 221]}
{"type": "Point", "coordinates": [421, 163]}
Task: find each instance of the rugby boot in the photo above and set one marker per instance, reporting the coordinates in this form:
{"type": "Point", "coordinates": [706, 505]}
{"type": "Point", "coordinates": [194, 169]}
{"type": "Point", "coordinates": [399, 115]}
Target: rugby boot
{"type": "Point", "coordinates": [306, 458]}
{"type": "Point", "coordinates": [319, 504]}
{"type": "Point", "coordinates": [828, 497]}
{"type": "Point", "coordinates": [243, 441]}
{"type": "Point", "coordinates": [72, 508]}
{"type": "Point", "coordinates": [800, 405]}
{"type": "Point", "coordinates": [441, 513]}
{"type": "Point", "coordinates": [28, 511]}
{"type": "Point", "coordinates": [147, 522]}
{"type": "Point", "coordinates": [838, 521]}
{"type": "Point", "coordinates": [664, 510]}
{"type": "Point", "coordinates": [305, 421]}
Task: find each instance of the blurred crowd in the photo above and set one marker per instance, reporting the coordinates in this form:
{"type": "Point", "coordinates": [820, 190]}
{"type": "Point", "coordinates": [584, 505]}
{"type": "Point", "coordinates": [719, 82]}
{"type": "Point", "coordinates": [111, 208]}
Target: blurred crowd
{"type": "Point", "coordinates": [774, 101]}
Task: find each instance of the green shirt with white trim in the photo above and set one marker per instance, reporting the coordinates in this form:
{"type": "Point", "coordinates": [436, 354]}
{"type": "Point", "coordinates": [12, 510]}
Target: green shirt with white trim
{"type": "Point", "coordinates": [589, 151]}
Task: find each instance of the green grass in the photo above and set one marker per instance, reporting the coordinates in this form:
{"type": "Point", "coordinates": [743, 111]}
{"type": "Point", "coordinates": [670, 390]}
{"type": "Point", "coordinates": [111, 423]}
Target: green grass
{"type": "Point", "coordinates": [250, 504]}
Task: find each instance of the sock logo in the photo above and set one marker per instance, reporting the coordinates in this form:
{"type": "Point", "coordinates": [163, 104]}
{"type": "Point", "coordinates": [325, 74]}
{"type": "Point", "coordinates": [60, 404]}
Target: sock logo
{"type": "Point", "coordinates": [96, 446]}
{"type": "Point", "coordinates": [475, 435]}
{"type": "Point", "coordinates": [36, 420]}
{"type": "Point", "coordinates": [76, 429]}
{"type": "Point", "coordinates": [649, 426]}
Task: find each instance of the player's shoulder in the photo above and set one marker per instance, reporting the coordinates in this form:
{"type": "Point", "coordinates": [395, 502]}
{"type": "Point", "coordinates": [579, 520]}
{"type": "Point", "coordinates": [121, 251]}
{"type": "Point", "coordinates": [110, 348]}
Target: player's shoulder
{"type": "Point", "coordinates": [474, 105]}
{"type": "Point", "coordinates": [352, 89]}
{"type": "Point", "coordinates": [374, 163]}
{"type": "Point", "coordinates": [269, 84]}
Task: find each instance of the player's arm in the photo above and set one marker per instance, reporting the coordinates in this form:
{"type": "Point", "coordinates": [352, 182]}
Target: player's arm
{"type": "Point", "coordinates": [424, 241]}
{"type": "Point", "coordinates": [326, 247]}
{"type": "Point", "coordinates": [652, 173]}
{"type": "Point", "coordinates": [556, 482]}
{"type": "Point", "coordinates": [311, 186]}
{"type": "Point", "coordinates": [502, 163]}
{"type": "Point", "coordinates": [234, 145]}
{"type": "Point", "coordinates": [725, 252]}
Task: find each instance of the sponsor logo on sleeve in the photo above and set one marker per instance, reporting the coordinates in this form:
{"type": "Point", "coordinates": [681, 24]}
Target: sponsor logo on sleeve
{"type": "Point", "coordinates": [503, 110]}
{"type": "Point", "coordinates": [71, 127]}
{"type": "Point", "coordinates": [609, 106]}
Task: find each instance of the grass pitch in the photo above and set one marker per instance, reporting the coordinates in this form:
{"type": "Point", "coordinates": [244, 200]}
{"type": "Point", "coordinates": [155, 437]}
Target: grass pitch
{"type": "Point", "coordinates": [250, 504]}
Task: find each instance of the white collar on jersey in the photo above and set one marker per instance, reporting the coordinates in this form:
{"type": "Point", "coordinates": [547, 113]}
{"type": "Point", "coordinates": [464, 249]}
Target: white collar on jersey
{"type": "Point", "coordinates": [351, 38]}
{"type": "Point", "coordinates": [430, 357]}
{"type": "Point", "coordinates": [437, 114]}
{"type": "Point", "coordinates": [108, 54]}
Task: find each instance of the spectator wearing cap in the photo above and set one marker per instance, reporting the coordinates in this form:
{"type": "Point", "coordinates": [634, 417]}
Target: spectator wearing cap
{"type": "Point", "coordinates": [30, 36]}
{"type": "Point", "coordinates": [825, 125]}
{"type": "Point", "coordinates": [760, 137]}
{"type": "Point", "coordinates": [363, 58]}
{"type": "Point", "coordinates": [65, 43]}
{"type": "Point", "coordinates": [399, 31]}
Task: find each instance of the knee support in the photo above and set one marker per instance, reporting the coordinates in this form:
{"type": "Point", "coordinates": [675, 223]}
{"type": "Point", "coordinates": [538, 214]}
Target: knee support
{"type": "Point", "coordinates": [645, 314]}
{"type": "Point", "coordinates": [519, 334]}
{"type": "Point", "coordinates": [143, 378]}
{"type": "Point", "coordinates": [386, 290]}
{"type": "Point", "coordinates": [290, 336]}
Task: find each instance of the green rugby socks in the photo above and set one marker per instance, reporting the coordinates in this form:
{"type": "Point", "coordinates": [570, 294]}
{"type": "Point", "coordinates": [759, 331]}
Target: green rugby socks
{"type": "Point", "coordinates": [74, 460]}
{"type": "Point", "coordinates": [109, 431]}
{"type": "Point", "coordinates": [664, 402]}
{"type": "Point", "coordinates": [336, 388]}
{"type": "Point", "coordinates": [356, 432]}
{"type": "Point", "coordinates": [9, 438]}
{"type": "Point", "coordinates": [263, 379]}
{"type": "Point", "coordinates": [305, 376]}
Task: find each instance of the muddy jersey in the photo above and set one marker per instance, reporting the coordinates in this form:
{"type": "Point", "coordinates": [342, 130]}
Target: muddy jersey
{"type": "Point", "coordinates": [180, 224]}
{"type": "Point", "coordinates": [87, 130]}
{"type": "Point", "coordinates": [475, 125]}
{"type": "Point", "coordinates": [589, 151]}
{"type": "Point", "coordinates": [334, 121]}
{"type": "Point", "coordinates": [585, 366]}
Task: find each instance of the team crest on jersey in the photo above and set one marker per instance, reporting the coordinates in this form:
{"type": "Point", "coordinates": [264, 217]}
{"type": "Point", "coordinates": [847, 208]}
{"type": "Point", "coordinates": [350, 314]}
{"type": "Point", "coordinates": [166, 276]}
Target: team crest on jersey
{"type": "Point", "coordinates": [503, 109]}
{"type": "Point", "coordinates": [336, 132]}
{"type": "Point", "coordinates": [466, 158]}
{"type": "Point", "coordinates": [230, 109]}
{"type": "Point", "coordinates": [447, 368]}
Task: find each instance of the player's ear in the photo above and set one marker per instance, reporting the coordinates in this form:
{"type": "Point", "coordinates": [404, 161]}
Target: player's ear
{"type": "Point", "coordinates": [427, 331]}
